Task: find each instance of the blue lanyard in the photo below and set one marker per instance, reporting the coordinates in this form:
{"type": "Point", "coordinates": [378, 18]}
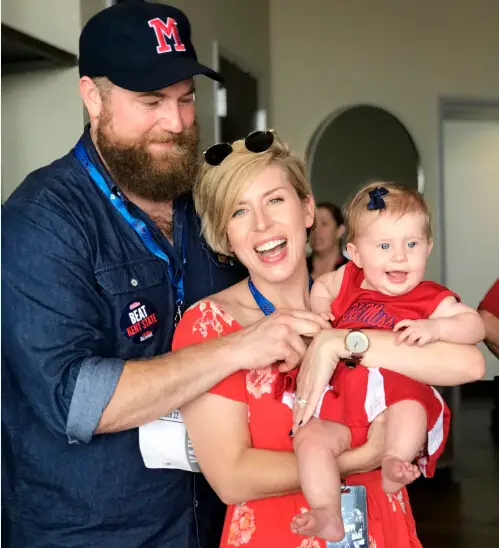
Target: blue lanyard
{"type": "Point", "coordinates": [139, 226]}
{"type": "Point", "coordinates": [265, 305]}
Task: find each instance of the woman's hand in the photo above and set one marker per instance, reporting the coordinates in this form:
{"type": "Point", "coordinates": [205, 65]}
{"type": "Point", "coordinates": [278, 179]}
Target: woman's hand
{"type": "Point", "coordinates": [318, 365]}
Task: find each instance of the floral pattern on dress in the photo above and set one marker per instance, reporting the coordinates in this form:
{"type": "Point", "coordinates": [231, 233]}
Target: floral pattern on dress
{"type": "Point", "coordinates": [397, 497]}
{"type": "Point", "coordinates": [309, 542]}
{"type": "Point", "coordinates": [259, 381]}
{"type": "Point", "coordinates": [212, 317]}
{"type": "Point", "coordinates": [242, 525]}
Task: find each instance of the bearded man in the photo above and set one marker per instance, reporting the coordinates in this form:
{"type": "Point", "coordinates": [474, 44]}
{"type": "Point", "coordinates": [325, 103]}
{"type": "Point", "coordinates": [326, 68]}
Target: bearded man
{"type": "Point", "coordinates": [101, 255]}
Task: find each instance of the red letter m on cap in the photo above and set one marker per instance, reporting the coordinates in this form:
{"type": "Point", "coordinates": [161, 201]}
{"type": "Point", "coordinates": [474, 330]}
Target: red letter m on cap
{"type": "Point", "coordinates": [168, 30]}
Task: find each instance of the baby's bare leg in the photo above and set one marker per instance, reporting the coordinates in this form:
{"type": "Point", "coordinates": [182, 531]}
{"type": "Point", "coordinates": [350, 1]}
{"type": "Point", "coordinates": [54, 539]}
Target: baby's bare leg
{"type": "Point", "coordinates": [316, 446]}
{"type": "Point", "coordinates": [406, 431]}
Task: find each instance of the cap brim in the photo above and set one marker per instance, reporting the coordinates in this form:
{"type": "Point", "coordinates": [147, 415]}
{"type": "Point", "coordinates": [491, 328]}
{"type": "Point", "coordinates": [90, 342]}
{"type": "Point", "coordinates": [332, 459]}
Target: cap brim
{"type": "Point", "coordinates": [161, 75]}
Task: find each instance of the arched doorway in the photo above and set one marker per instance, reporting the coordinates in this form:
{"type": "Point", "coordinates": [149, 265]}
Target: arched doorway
{"type": "Point", "coordinates": [359, 144]}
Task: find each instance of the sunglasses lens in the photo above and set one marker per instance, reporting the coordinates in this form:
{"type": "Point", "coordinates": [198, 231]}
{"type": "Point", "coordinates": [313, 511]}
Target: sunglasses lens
{"type": "Point", "coordinates": [216, 154]}
{"type": "Point", "coordinates": [259, 141]}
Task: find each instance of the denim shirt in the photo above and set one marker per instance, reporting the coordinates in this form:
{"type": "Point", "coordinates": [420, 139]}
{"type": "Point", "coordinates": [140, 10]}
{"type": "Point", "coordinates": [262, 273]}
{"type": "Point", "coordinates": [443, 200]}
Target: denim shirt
{"type": "Point", "coordinates": [72, 270]}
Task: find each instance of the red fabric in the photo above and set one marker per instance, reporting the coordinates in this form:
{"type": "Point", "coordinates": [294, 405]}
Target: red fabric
{"type": "Point", "coordinates": [360, 394]}
{"type": "Point", "coordinates": [490, 302]}
{"type": "Point", "coordinates": [265, 523]}
{"type": "Point", "coordinates": [357, 308]}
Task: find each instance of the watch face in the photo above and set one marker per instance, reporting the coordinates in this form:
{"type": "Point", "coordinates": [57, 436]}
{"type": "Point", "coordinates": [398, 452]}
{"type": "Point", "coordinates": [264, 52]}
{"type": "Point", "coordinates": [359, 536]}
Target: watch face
{"type": "Point", "coordinates": [357, 342]}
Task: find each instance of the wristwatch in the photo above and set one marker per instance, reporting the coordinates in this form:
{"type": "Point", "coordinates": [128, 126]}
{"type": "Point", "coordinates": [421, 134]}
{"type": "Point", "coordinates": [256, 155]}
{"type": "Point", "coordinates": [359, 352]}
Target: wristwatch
{"type": "Point", "coordinates": [357, 343]}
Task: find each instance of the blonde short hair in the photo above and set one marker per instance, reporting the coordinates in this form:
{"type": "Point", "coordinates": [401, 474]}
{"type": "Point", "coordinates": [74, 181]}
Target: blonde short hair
{"type": "Point", "coordinates": [399, 201]}
{"type": "Point", "coordinates": [218, 188]}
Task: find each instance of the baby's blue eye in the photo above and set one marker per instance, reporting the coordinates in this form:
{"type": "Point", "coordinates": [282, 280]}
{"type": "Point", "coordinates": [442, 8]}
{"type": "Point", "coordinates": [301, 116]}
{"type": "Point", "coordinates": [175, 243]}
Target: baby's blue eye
{"type": "Point", "coordinates": [384, 246]}
{"type": "Point", "coordinates": [411, 245]}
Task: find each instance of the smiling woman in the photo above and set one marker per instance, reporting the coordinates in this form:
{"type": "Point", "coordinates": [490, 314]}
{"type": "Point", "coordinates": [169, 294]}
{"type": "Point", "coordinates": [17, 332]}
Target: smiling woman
{"type": "Point", "coordinates": [265, 217]}
{"type": "Point", "coordinates": [257, 206]}
{"type": "Point", "coordinates": [278, 182]}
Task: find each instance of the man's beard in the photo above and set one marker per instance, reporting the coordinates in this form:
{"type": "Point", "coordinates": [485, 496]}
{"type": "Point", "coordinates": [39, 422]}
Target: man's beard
{"type": "Point", "coordinates": [157, 177]}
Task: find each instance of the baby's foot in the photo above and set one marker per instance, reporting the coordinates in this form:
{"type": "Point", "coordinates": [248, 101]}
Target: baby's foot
{"type": "Point", "coordinates": [320, 522]}
{"type": "Point", "coordinates": [396, 473]}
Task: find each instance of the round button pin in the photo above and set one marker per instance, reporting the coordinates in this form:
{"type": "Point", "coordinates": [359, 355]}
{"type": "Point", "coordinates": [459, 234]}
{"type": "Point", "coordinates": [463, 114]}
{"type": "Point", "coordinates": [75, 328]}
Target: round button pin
{"type": "Point", "coordinates": [139, 321]}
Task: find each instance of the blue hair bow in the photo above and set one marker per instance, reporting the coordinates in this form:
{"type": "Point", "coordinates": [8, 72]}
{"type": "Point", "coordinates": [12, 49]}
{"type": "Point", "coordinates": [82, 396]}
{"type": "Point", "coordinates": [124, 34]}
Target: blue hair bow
{"type": "Point", "coordinates": [376, 195]}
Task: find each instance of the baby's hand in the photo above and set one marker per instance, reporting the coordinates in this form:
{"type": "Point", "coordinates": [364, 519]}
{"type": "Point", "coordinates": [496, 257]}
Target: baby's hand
{"type": "Point", "coordinates": [328, 316]}
{"type": "Point", "coordinates": [418, 332]}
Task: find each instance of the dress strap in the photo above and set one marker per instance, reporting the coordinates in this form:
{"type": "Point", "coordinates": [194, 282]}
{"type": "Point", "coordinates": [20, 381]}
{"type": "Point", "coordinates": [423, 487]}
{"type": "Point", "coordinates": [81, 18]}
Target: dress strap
{"type": "Point", "coordinates": [355, 275]}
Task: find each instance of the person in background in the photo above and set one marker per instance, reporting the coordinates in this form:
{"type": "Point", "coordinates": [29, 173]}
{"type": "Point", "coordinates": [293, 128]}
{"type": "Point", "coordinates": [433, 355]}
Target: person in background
{"type": "Point", "coordinates": [325, 240]}
{"type": "Point", "coordinates": [101, 255]}
{"type": "Point", "coordinates": [489, 312]}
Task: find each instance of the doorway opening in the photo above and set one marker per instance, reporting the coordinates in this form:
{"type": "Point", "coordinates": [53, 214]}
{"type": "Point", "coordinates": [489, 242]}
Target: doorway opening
{"type": "Point", "coordinates": [361, 143]}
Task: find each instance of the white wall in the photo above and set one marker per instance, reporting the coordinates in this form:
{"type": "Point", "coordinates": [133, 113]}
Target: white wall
{"type": "Point", "coordinates": [88, 8]}
{"type": "Point", "coordinates": [401, 56]}
{"type": "Point", "coordinates": [42, 119]}
{"type": "Point", "coordinates": [56, 22]}
{"type": "Point", "coordinates": [471, 199]}
{"type": "Point", "coordinates": [41, 111]}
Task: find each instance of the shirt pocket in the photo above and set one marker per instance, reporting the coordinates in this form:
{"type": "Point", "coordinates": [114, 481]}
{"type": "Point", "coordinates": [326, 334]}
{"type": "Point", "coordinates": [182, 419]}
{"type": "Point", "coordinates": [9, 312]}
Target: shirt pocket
{"type": "Point", "coordinates": [130, 277]}
{"type": "Point", "coordinates": [140, 305]}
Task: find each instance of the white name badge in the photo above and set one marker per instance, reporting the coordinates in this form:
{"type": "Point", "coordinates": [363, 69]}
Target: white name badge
{"type": "Point", "coordinates": [164, 443]}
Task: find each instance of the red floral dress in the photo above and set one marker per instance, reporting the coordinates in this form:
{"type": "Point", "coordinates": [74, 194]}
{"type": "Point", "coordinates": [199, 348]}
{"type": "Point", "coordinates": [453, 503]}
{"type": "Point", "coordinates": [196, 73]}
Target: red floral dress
{"type": "Point", "coordinates": [265, 523]}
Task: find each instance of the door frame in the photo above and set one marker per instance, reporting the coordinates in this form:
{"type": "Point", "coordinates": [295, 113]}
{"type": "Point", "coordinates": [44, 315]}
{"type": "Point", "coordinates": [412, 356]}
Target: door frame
{"type": "Point", "coordinates": [456, 109]}
{"type": "Point", "coordinates": [217, 51]}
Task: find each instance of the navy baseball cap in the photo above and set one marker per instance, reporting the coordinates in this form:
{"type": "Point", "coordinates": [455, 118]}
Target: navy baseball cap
{"type": "Point", "coordinates": [140, 46]}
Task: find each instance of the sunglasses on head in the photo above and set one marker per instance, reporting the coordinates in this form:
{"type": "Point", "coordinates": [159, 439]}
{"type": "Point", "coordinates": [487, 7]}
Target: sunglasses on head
{"type": "Point", "coordinates": [258, 141]}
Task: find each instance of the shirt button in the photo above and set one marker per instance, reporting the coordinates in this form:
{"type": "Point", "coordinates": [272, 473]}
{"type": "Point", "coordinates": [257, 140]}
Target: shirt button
{"type": "Point", "coordinates": [196, 503]}
{"type": "Point", "coordinates": [134, 282]}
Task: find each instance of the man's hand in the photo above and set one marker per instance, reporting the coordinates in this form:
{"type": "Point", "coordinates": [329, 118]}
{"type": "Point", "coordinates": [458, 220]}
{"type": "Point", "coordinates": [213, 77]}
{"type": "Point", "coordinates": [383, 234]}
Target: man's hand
{"type": "Point", "coordinates": [278, 338]}
{"type": "Point", "coordinates": [418, 332]}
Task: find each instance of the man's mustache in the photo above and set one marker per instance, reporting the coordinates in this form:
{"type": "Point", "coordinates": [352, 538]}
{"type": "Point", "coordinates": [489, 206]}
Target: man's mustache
{"type": "Point", "coordinates": [173, 138]}
{"type": "Point", "coordinates": [163, 140]}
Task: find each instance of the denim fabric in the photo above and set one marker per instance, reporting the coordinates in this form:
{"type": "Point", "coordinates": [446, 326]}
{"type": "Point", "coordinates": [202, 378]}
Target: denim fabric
{"type": "Point", "coordinates": [71, 268]}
